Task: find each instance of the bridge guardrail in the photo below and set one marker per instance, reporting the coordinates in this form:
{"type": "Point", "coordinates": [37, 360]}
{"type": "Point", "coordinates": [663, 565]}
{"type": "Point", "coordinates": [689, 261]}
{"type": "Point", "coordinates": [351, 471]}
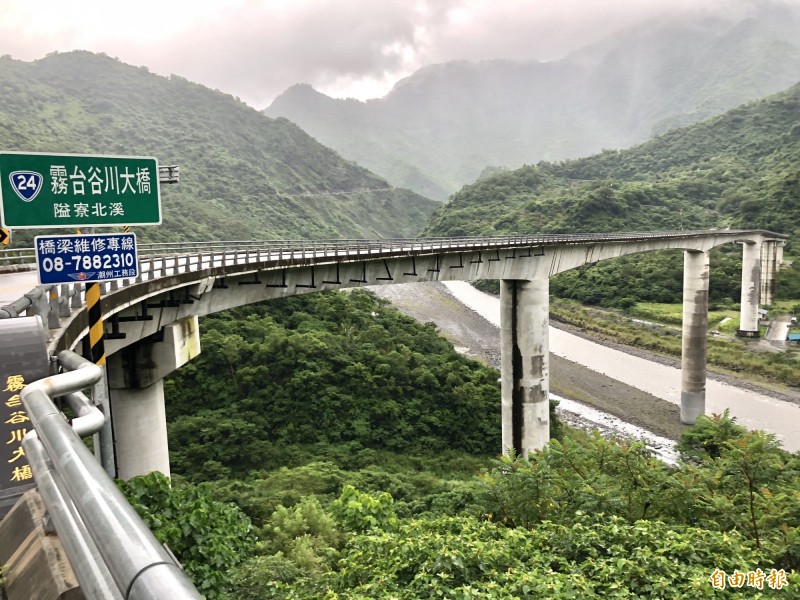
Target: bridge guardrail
{"type": "Point", "coordinates": [160, 259]}
{"type": "Point", "coordinates": [113, 553]}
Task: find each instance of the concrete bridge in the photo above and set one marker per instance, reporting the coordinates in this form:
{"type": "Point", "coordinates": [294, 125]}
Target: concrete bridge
{"type": "Point", "coordinates": [151, 321]}
{"type": "Point", "coordinates": [151, 325]}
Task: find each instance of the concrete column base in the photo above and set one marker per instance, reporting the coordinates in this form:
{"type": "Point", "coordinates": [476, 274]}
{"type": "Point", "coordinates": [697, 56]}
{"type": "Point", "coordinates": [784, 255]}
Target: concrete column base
{"type": "Point", "coordinates": [694, 338]}
{"type": "Point", "coordinates": [524, 307]}
{"type": "Point", "coordinates": [140, 430]}
{"type": "Point", "coordinates": [751, 289]}
{"type": "Point", "coordinates": [747, 334]}
{"type": "Point", "coordinates": [693, 404]}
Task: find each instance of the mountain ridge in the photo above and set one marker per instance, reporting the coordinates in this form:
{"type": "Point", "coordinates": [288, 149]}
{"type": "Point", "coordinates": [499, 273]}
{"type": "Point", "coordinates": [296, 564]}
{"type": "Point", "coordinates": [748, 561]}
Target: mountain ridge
{"type": "Point", "coordinates": [442, 126]}
{"type": "Point", "coordinates": [243, 175]}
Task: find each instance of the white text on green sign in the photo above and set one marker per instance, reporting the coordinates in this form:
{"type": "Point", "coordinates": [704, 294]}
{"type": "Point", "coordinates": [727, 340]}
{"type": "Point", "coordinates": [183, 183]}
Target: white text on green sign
{"type": "Point", "coordinates": [72, 190]}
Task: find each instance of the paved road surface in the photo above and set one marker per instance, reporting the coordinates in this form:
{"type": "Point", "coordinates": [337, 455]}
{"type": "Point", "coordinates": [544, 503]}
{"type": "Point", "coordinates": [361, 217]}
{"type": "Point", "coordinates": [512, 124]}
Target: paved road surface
{"type": "Point", "coordinates": [14, 285]}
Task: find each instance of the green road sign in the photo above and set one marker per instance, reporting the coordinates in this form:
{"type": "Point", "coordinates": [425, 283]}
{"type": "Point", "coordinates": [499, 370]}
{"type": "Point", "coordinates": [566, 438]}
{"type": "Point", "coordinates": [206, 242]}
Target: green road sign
{"type": "Point", "coordinates": [40, 190]}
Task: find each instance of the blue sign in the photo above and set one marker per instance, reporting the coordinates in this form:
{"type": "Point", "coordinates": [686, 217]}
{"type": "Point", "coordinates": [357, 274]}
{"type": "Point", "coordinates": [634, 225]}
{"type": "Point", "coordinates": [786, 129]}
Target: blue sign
{"type": "Point", "coordinates": [86, 258]}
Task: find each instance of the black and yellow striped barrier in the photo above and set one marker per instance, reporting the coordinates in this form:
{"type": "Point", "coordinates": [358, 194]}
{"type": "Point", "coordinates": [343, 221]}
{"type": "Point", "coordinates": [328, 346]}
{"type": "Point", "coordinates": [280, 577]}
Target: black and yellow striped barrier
{"type": "Point", "coordinates": [96, 346]}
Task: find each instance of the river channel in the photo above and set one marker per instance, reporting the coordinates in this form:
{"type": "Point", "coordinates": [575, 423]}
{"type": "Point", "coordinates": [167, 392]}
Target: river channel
{"type": "Point", "coordinates": [751, 409]}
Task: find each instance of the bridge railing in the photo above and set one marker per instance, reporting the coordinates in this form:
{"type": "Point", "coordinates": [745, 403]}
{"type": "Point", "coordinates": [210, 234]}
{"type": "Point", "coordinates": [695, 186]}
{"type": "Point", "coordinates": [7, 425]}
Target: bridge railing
{"type": "Point", "coordinates": [162, 259]}
{"type": "Point", "coordinates": [113, 553]}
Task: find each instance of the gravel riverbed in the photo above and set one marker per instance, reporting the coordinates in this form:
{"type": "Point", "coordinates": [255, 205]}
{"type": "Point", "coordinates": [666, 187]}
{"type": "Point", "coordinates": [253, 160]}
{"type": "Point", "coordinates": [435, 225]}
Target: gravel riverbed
{"type": "Point", "coordinates": [479, 338]}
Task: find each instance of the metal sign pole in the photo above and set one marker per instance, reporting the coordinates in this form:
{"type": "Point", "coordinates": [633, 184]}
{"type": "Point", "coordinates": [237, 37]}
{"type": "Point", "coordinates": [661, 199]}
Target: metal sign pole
{"type": "Point", "coordinates": [97, 354]}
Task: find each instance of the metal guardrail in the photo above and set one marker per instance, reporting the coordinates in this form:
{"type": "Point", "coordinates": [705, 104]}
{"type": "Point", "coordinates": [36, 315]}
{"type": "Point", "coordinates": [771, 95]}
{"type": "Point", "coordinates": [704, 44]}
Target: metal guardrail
{"type": "Point", "coordinates": [113, 553]}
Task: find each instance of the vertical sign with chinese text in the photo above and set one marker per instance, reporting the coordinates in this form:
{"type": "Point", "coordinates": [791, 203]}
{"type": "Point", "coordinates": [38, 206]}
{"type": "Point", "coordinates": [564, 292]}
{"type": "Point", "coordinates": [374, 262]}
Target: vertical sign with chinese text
{"type": "Point", "coordinates": [40, 190]}
{"type": "Point", "coordinates": [23, 360]}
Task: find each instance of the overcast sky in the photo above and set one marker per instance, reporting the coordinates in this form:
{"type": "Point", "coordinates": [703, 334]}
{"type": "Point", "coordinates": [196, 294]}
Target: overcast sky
{"type": "Point", "coordinates": [255, 49]}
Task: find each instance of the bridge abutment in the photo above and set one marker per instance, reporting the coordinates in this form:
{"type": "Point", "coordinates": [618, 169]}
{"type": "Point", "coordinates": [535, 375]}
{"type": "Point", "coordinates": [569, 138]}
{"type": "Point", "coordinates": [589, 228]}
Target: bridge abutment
{"type": "Point", "coordinates": [525, 372]}
{"type": "Point", "coordinates": [694, 339]}
{"type": "Point", "coordinates": [136, 381]}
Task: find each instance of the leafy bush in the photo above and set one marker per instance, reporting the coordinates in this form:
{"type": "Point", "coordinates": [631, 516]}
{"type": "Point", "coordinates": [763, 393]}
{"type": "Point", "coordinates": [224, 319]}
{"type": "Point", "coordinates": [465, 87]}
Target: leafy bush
{"type": "Point", "coordinates": [208, 537]}
{"type": "Point", "coordinates": [708, 436]}
{"type": "Point", "coordinates": [360, 512]}
{"type": "Point", "coordinates": [597, 557]}
{"type": "Point", "coordinates": [326, 368]}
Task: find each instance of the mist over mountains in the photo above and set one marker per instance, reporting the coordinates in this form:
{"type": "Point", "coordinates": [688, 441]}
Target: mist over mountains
{"type": "Point", "coordinates": [441, 127]}
{"type": "Point", "coordinates": [243, 175]}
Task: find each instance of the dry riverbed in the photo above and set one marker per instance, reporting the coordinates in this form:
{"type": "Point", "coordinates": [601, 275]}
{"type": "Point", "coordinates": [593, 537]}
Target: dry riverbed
{"type": "Point", "coordinates": [476, 337]}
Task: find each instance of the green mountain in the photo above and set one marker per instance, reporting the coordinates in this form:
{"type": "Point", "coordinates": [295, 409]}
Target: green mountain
{"type": "Point", "coordinates": [741, 169]}
{"type": "Point", "coordinates": [439, 128]}
{"type": "Point", "coordinates": [243, 175]}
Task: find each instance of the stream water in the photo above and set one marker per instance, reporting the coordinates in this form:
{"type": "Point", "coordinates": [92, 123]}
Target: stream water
{"type": "Point", "coordinates": [753, 410]}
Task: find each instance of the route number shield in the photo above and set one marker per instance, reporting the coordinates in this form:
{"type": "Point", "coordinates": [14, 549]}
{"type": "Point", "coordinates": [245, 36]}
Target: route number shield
{"type": "Point", "coordinates": [27, 184]}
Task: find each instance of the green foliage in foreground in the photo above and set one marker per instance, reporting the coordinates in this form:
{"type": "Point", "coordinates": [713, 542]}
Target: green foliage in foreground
{"type": "Point", "coordinates": [461, 557]}
{"type": "Point", "coordinates": [584, 518]}
{"type": "Point", "coordinates": [341, 514]}
{"type": "Point", "coordinates": [328, 368]}
{"type": "Point", "coordinates": [590, 519]}
{"type": "Point", "coordinates": [207, 536]}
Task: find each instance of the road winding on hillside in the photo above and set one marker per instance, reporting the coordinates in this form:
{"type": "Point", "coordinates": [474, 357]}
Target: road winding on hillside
{"type": "Point", "coordinates": [636, 386]}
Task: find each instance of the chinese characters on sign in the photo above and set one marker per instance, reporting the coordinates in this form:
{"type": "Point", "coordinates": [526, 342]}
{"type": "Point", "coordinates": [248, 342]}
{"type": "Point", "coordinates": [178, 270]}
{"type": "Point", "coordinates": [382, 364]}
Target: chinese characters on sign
{"type": "Point", "coordinates": [86, 258]}
{"type": "Point", "coordinates": [775, 579]}
{"type": "Point", "coordinates": [23, 360]}
{"type": "Point", "coordinates": [72, 190]}
{"type": "Point", "coordinates": [15, 426]}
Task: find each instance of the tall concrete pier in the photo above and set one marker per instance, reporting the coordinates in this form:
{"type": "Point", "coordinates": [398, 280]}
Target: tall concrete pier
{"type": "Point", "coordinates": [695, 335]}
{"type": "Point", "coordinates": [136, 381]}
{"type": "Point", "coordinates": [525, 372]}
{"type": "Point", "coordinates": [771, 258]}
{"type": "Point", "coordinates": [751, 289]}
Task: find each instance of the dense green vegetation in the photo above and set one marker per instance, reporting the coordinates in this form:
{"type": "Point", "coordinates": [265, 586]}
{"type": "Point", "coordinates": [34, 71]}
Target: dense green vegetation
{"type": "Point", "coordinates": [329, 369]}
{"type": "Point", "coordinates": [337, 449]}
{"type": "Point", "coordinates": [738, 170]}
{"type": "Point", "coordinates": [243, 175]}
{"type": "Point", "coordinates": [439, 128]}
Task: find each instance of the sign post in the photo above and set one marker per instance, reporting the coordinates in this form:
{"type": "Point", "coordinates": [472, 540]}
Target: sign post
{"type": "Point", "coordinates": [39, 190]}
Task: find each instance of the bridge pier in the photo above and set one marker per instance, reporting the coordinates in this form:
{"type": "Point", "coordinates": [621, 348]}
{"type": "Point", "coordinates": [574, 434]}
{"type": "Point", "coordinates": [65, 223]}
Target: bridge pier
{"type": "Point", "coordinates": [771, 258]}
{"type": "Point", "coordinates": [525, 369]}
{"type": "Point", "coordinates": [136, 381]}
{"type": "Point", "coordinates": [694, 340]}
{"type": "Point", "coordinates": [751, 289]}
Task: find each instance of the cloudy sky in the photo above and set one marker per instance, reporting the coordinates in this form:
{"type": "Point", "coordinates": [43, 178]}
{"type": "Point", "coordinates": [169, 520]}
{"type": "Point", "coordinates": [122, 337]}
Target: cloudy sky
{"type": "Point", "coordinates": [255, 49]}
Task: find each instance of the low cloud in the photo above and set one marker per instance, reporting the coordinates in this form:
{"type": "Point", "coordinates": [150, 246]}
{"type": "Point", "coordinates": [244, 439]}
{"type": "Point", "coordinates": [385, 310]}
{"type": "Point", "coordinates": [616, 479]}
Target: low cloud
{"type": "Point", "coordinates": [255, 49]}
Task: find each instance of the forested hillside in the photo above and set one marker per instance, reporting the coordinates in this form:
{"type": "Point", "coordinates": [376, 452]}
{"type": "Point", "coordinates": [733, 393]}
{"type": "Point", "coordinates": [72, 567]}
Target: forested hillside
{"type": "Point", "coordinates": [243, 175]}
{"type": "Point", "coordinates": [741, 169]}
{"type": "Point", "coordinates": [325, 446]}
{"type": "Point", "coordinates": [439, 128]}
